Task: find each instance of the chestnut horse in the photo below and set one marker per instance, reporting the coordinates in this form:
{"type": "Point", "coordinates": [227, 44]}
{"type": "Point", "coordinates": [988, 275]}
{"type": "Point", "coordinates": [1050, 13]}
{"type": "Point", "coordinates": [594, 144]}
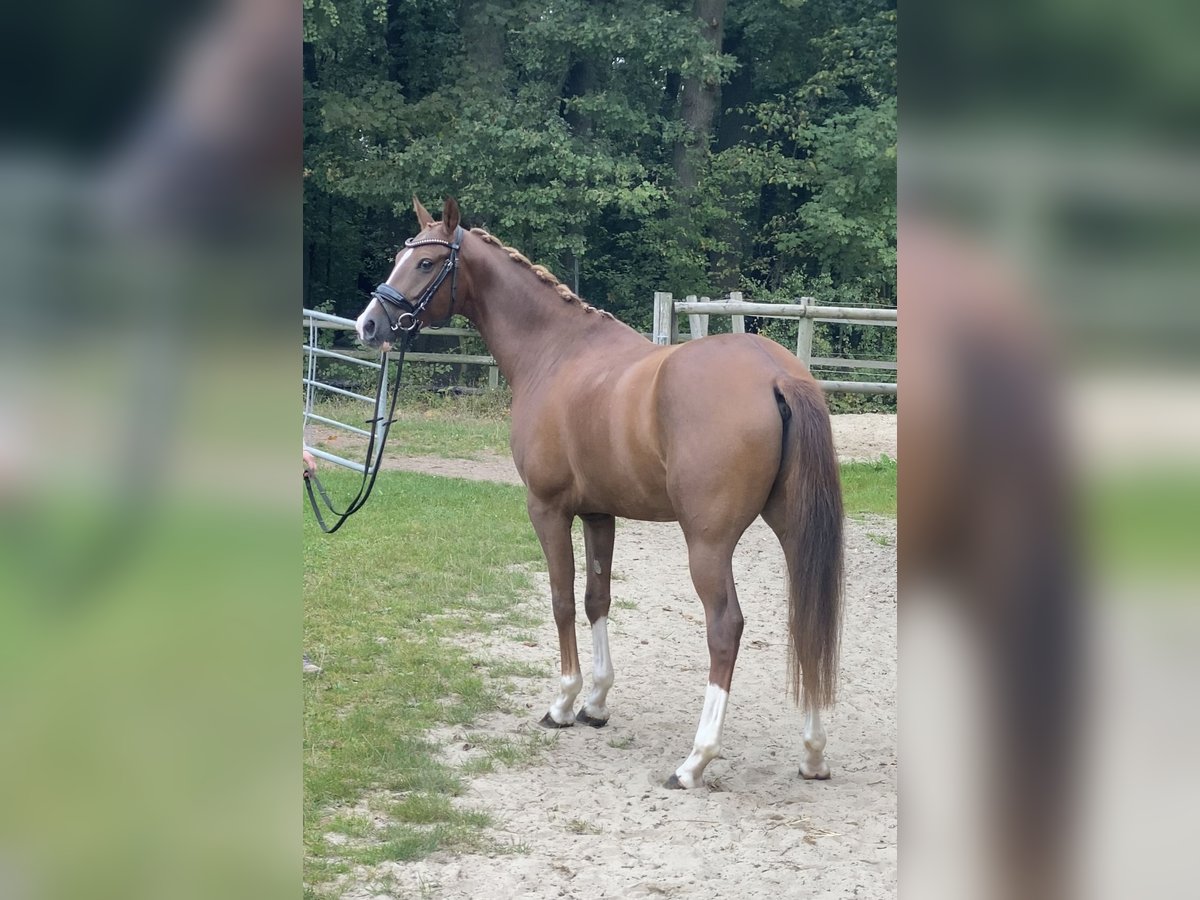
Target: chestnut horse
{"type": "Point", "coordinates": [711, 434]}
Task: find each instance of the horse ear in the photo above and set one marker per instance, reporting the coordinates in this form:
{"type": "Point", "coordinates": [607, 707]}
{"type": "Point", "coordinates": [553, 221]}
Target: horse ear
{"type": "Point", "coordinates": [424, 219]}
{"type": "Point", "coordinates": [450, 214]}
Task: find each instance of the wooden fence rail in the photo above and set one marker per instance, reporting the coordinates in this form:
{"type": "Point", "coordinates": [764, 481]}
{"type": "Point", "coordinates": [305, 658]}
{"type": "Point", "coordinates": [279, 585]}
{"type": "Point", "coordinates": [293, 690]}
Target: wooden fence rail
{"type": "Point", "coordinates": [666, 331]}
{"type": "Point", "coordinates": [807, 311]}
{"type": "Point", "coordinates": [324, 320]}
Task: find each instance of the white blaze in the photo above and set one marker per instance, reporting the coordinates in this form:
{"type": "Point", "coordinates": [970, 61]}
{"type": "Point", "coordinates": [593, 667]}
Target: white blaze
{"type": "Point", "coordinates": [358, 323]}
{"type": "Point", "coordinates": [401, 261]}
{"type": "Point", "coordinates": [362, 317]}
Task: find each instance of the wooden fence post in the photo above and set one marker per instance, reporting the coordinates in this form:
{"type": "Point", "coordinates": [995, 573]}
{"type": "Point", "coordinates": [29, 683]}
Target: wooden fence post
{"type": "Point", "coordinates": [695, 328]}
{"type": "Point", "coordinates": [665, 328]}
{"type": "Point", "coordinates": [493, 378]}
{"type": "Point", "coordinates": [804, 335]}
{"type": "Point", "coordinates": [698, 322]}
{"type": "Point", "coordinates": [738, 323]}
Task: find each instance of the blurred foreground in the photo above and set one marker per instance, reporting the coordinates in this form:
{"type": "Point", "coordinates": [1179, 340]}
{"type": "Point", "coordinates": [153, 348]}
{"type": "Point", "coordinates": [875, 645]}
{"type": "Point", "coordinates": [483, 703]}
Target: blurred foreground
{"type": "Point", "coordinates": [1050, 435]}
{"type": "Point", "coordinates": [149, 541]}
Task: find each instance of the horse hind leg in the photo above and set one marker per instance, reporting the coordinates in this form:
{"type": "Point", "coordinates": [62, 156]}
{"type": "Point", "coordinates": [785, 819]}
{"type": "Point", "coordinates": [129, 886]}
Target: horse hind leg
{"type": "Point", "coordinates": [712, 574]}
{"type": "Point", "coordinates": [554, 532]}
{"type": "Point", "coordinates": [598, 534]}
{"type": "Point", "coordinates": [812, 763]}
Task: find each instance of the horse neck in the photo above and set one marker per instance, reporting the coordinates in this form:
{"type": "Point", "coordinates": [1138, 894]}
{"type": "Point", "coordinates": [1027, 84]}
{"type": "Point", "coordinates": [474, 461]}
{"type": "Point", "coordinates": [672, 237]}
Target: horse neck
{"type": "Point", "coordinates": [528, 327]}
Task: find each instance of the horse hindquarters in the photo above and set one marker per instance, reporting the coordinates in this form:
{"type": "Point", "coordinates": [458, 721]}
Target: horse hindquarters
{"type": "Point", "coordinates": [805, 511]}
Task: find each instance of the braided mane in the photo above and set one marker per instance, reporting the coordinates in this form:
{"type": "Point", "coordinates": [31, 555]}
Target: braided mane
{"type": "Point", "coordinates": [541, 272]}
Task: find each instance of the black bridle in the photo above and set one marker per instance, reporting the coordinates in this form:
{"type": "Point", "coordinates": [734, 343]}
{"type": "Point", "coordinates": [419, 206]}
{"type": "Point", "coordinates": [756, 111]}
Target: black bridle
{"type": "Point", "coordinates": [381, 425]}
{"type": "Point", "coordinates": [388, 295]}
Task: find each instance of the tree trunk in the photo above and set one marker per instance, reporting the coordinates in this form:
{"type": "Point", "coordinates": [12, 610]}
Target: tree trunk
{"type": "Point", "coordinates": [698, 102]}
{"type": "Point", "coordinates": [734, 230]}
{"type": "Point", "coordinates": [670, 95]}
{"type": "Point", "coordinates": [581, 80]}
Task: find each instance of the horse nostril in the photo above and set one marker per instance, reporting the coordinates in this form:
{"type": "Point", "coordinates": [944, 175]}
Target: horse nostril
{"type": "Point", "coordinates": [368, 329]}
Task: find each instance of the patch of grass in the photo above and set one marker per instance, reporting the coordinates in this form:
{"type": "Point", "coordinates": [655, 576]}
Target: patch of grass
{"type": "Point", "coordinates": [621, 743]}
{"type": "Point", "coordinates": [882, 540]}
{"type": "Point", "coordinates": [869, 488]}
{"type": "Point", "coordinates": [351, 826]}
{"type": "Point", "coordinates": [481, 765]}
{"type": "Point", "coordinates": [425, 561]}
{"type": "Point", "coordinates": [515, 669]}
{"type": "Point", "coordinates": [401, 843]}
{"type": "Point", "coordinates": [426, 425]}
{"type": "Point", "coordinates": [625, 604]}
{"type": "Point", "coordinates": [510, 751]}
{"type": "Point", "coordinates": [1142, 524]}
{"type": "Point", "coordinates": [578, 826]}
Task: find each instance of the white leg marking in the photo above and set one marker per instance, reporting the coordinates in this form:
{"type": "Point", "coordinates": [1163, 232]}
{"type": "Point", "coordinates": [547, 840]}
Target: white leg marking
{"type": "Point", "coordinates": [812, 764]}
{"type": "Point", "coordinates": [560, 709]}
{"type": "Point", "coordinates": [708, 737]}
{"type": "Point", "coordinates": [602, 671]}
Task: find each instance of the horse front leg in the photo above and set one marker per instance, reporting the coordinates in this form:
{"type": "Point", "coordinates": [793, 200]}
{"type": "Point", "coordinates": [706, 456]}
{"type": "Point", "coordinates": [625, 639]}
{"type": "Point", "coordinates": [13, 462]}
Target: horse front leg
{"type": "Point", "coordinates": [712, 574]}
{"type": "Point", "coordinates": [598, 534]}
{"type": "Point", "coordinates": [553, 529]}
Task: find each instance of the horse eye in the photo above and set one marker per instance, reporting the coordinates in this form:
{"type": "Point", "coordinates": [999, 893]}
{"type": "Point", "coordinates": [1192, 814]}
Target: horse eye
{"type": "Point", "coordinates": [426, 264]}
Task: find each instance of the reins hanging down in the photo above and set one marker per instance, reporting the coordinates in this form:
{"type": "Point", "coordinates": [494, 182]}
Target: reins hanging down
{"type": "Point", "coordinates": [380, 426]}
{"type": "Point", "coordinates": [408, 325]}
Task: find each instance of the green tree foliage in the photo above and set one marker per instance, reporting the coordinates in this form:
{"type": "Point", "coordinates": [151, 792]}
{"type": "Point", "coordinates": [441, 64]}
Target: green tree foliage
{"type": "Point", "coordinates": [559, 127]}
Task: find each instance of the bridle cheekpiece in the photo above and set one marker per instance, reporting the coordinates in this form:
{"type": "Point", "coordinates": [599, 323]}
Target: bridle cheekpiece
{"type": "Point", "coordinates": [388, 295]}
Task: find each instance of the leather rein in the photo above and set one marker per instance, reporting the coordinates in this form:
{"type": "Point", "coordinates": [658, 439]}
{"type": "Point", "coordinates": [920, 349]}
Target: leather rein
{"type": "Point", "coordinates": [409, 326]}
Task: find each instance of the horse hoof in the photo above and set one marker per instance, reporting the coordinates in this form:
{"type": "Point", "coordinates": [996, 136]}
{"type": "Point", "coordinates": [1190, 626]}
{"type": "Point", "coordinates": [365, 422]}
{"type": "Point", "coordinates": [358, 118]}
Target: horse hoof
{"type": "Point", "coordinates": [821, 774]}
{"type": "Point", "coordinates": [583, 717]}
{"type": "Point", "coordinates": [673, 783]}
{"type": "Point", "coordinates": [548, 722]}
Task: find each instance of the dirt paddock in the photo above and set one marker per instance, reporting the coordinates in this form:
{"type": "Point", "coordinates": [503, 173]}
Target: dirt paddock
{"type": "Point", "coordinates": [590, 817]}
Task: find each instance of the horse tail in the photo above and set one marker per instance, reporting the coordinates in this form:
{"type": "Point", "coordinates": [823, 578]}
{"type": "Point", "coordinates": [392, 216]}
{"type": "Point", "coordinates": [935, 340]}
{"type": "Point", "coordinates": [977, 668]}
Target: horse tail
{"type": "Point", "coordinates": [808, 518]}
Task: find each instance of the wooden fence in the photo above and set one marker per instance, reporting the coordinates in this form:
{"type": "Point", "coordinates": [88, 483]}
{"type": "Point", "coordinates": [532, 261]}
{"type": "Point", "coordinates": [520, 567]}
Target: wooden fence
{"type": "Point", "coordinates": [666, 331]}
{"type": "Point", "coordinates": [339, 324]}
{"type": "Point", "coordinates": [807, 312]}
{"type": "Point", "coordinates": [314, 322]}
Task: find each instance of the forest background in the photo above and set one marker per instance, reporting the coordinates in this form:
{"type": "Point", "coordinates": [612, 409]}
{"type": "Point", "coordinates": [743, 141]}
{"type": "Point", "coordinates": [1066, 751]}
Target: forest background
{"type": "Point", "coordinates": [690, 146]}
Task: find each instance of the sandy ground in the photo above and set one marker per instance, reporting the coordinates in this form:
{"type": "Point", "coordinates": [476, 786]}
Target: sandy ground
{"type": "Point", "coordinates": [590, 817]}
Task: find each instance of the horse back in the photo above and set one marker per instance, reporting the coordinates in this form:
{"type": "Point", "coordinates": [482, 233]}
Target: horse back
{"type": "Point", "coordinates": [630, 433]}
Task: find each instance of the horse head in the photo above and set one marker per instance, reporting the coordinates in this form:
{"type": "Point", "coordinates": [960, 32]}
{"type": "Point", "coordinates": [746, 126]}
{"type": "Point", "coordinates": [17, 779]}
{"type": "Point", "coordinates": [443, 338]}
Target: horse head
{"type": "Point", "coordinates": [424, 284]}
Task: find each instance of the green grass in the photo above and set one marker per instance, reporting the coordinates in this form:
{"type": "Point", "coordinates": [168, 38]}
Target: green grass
{"type": "Point", "coordinates": [428, 559]}
{"type": "Point", "coordinates": [869, 488]}
{"type": "Point", "coordinates": [1142, 524]}
{"type": "Point", "coordinates": [426, 425]}
{"type": "Point", "coordinates": [579, 826]}
{"type": "Point", "coordinates": [508, 669]}
{"type": "Point", "coordinates": [510, 751]}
